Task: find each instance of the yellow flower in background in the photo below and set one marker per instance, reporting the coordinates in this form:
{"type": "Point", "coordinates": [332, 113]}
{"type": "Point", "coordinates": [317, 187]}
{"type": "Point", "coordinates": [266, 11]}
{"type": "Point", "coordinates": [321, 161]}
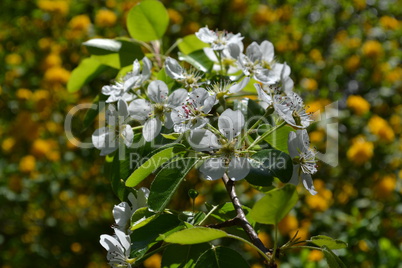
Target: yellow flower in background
{"type": "Point", "coordinates": [317, 105]}
{"type": "Point", "coordinates": [379, 127]}
{"type": "Point", "coordinates": [23, 94]}
{"type": "Point", "coordinates": [385, 186]}
{"type": "Point", "coordinates": [353, 43]}
{"type": "Point", "coordinates": [52, 60]}
{"type": "Point", "coordinates": [105, 18]}
{"type": "Point", "coordinates": [309, 84]}
{"type": "Point", "coordinates": [315, 55]}
{"type": "Point", "coordinates": [389, 23]}
{"type": "Point", "coordinates": [57, 75]}
{"type": "Point", "coordinates": [315, 255]}
{"type": "Point", "coordinates": [360, 151]}
{"type": "Point", "coordinates": [45, 43]}
{"type": "Point", "coordinates": [322, 200]}
{"type": "Point", "coordinates": [317, 136]}
{"type": "Point", "coordinates": [359, 4]}
{"type": "Point", "coordinates": [358, 104]}
{"type": "Point", "coordinates": [153, 262]}
{"type": "Point", "coordinates": [372, 49]}
{"type": "Point", "coordinates": [264, 15]}
{"type": "Point", "coordinates": [396, 123]}
{"type": "Point", "coordinates": [13, 59]}
{"type": "Point", "coordinates": [56, 6]}
{"type": "Point", "coordinates": [8, 144]}
{"type": "Point", "coordinates": [175, 16]}
{"type": "Point", "coordinates": [394, 75]}
{"type": "Point", "coordinates": [27, 164]}
{"type": "Point", "coordinates": [80, 23]}
{"type": "Point", "coordinates": [347, 191]}
{"type": "Point", "coordinates": [352, 63]}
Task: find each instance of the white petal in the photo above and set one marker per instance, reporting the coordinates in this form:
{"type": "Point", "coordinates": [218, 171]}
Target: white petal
{"type": "Point", "coordinates": [146, 68]}
{"type": "Point", "coordinates": [108, 90]}
{"type": "Point", "coordinates": [239, 167]}
{"type": "Point", "coordinates": [209, 102]}
{"type": "Point", "coordinates": [152, 128]}
{"type": "Point", "coordinates": [295, 175]}
{"type": "Point", "coordinates": [136, 68]}
{"type": "Point", "coordinates": [124, 239]}
{"type": "Point", "coordinates": [123, 109]}
{"type": "Point", "coordinates": [210, 54]}
{"type": "Point", "coordinates": [203, 140]}
{"type": "Point", "coordinates": [142, 197]}
{"type": "Point", "coordinates": [122, 214]}
{"type": "Point", "coordinates": [267, 49]}
{"type": "Point", "coordinates": [213, 168]}
{"type": "Point", "coordinates": [140, 109]}
{"type": "Point", "coordinates": [206, 35]}
{"type": "Point", "coordinates": [127, 134]}
{"type": "Point", "coordinates": [109, 242]}
{"type": "Point", "coordinates": [99, 137]}
{"type": "Point", "coordinates": [158, 91]}
{"type": "Point", "coordinates": [173, 69]}
{"type": "Point", "coordinates": [198, 96]}
{"type": "Point", "coordinates": [131, 81]}
{"type": "Point", "coordinates": [237, 87]}
{"type": "Point", "coordinates": [230, 123]}
{"type": "Point", "coordinates": [177, 97]}
{"type": "Point", "coordinates": [293, 144]}
{"type": "Point", "coordinates": [111, 115]}
{"type": "Point", "coordinates": [308, 183]}
{"type": "Point", "coordinates": [168, 120]}
{"type": "Point", "coordinates": [262, 94]}
{"type": "Point", "coordinates": [253, 52]}
{"type": "Point", "coordinates": [235, 49]}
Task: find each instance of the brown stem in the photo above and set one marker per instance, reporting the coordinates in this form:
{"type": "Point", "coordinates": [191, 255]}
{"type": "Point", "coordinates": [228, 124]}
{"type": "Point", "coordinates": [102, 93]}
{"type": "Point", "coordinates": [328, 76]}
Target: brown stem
{"type": "Point", "coordinates": [228, 223]}
{"type": "Point", "coordinates": [242, 221]}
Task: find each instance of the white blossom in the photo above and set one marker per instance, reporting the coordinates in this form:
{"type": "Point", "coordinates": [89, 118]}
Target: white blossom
{"type": "Point", "coordinates": [291, 108]}
{"type": "Point", "coordinates": [303, 156]}
{"type": "Point", "coordinates": [192, 114]}
{"type": "Point", "coordinates": [135, 78]}
{"type": "Point", "coordinates": [118, 249]}
{"type": "Point", "coordinates": [226, 157]}
{"type": "Point", "coordinates": [175, 71]}
{"type": "Point", "coordinates": [116, 92]}
{"type": "Point", "coordinates": [219, 40]}
{"type": "Point", "coordinates": [107, 139]}
{"type": "Point", "coordinates": [228, 57]}
{"type": "Point", "coordinates": [157, 112]}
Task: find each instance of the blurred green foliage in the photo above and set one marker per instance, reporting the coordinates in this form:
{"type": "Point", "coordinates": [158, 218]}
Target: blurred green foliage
{"type": "Point", "coordinates": [55, 199]}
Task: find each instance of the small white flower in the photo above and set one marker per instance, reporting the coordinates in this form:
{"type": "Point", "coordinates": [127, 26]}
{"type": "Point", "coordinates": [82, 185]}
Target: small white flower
{"type": "Point", "coordinates": [218, 40]}
{"type": "Point", "coordinates": [259, 62]}
{"type": "Point", "coordinates": [116, 92]}
{"type": "Point", "coordinates": [229, 56]}
{"type": "Point", "coordinates": [221, 89]}
{"type": "Point", "coordinates": [123, 212]}
{"type": "Point", "coordinates": [154, 114]}
{"type": "Point", "coordinates": [291, 108]}
{"type": "Point", "coordinates": [107, 139]}
{"type": "Point", "coordinates": [118, 247]}
{"type": "Point", "coordinates": [175, 71]}
{"type": "Point", "coordinates": [226, 158]}
{"type": "Point", "coordinates": [304, 163]}
{"type": "Point", "coordinates": [192, 114]}
{"type": "Point", "coordinates": [135, 78]}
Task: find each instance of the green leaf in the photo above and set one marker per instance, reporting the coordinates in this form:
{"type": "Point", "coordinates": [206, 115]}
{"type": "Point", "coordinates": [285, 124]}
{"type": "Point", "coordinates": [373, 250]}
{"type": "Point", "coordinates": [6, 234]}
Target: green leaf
{"type": "Point", "coordinates": [170, 82]}
{"type": "Point", "coordinates": [198, 59]}
{"type": "Point", "coordinates": [322, 240]}
{"type": "Point", "coordinates": [275, 205]}
{"type": "Point", "coordinates": [85, 72]}
{"type": "Point", "coordinates": [279, 138]}
{"type": "Point", "coordinates": [221, 257]}
{"type": "Point", "coordinates": [153, 163]}
{"type": "Point", "coordinates": [114, 53]}
{"type": "Point", "coordinates": [267, 164]}
{"type": "Point", "coordinates": [167, 181]}
{"type": "Point", "coordinates": [190, 217]}
{"type": "Point", "coordinates": [183, 256]}
{"type": "Point", "coordinates": [195, 235]}
{"type": "Point", "coordinates": [145, 237]}
{"type": "Point", "coordinates": [141, 217]}
{"type": "Point", "coordinates": [191, 43]}
{"type": "Point", "coordinates": [332, 259]}
{"type": "Point", "coordinates": [148, 21]}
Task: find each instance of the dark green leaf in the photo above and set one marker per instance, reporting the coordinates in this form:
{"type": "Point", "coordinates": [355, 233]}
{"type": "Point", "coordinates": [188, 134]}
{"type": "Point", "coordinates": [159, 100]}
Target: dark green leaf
{"type": "Point", "coordinates": [221, 257]}
{"type": "Point", "coordinates": [332, 260]}
{"type": "Point", "coordinates": [267, 164]}
{"type": "Point", "coordinates": [85, 72]}
{"type": "Point", "coordinates": [167, 181]}
{"type": "Point", "coordinates": [183, 256]}
{"type": "Point", "coordinates": [153, 163]}
{"type": "Point", "coordinates": [198, 59]}
{"type": "Point", "coordinates": [148, 21]}
{"type": "Point", "coordinates": [279, 138]}
{"type": "Point", "coordinates": [322, 240]}
{"type": "Point", "coordinates": [142, 217]}
{"type": "Point", "coordinates": [275, 205]}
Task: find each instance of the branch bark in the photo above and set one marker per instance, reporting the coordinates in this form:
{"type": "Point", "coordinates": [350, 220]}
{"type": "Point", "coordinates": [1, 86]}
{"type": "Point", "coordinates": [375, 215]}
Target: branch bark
{"type": "Point", "coordinates": [242, 221]}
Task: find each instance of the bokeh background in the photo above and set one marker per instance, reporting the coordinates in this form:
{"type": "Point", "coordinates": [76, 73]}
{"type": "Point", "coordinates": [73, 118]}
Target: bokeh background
{"type": "Point", "coordinates": [55, 199]}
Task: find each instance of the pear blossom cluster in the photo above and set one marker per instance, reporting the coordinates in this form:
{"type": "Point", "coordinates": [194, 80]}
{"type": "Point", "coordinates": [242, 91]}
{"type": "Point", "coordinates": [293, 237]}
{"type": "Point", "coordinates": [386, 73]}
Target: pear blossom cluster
{"type": "Point", "coordinates": [118, 246]}
{"type": "Point", "coordinates": [141, 102]}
